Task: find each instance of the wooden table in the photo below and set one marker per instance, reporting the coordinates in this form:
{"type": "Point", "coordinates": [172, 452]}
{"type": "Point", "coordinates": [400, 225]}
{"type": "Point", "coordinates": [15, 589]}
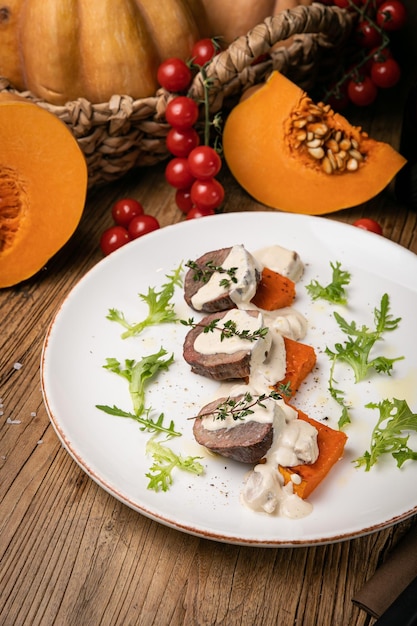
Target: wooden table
{"type": "Point", "coordinates": [73, 555]}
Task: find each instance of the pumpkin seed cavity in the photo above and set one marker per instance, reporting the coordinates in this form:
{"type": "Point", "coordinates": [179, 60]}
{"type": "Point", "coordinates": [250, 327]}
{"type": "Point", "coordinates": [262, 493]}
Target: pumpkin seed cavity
{"type": "Point", "coordinates": [11, 206]}
{"type": "Point", "coordinates": [331, 149]}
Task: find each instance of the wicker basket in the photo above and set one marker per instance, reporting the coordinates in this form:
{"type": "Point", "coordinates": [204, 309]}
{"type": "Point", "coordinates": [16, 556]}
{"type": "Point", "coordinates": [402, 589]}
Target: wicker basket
{"type": "Point", "coordinates": [124, 133]}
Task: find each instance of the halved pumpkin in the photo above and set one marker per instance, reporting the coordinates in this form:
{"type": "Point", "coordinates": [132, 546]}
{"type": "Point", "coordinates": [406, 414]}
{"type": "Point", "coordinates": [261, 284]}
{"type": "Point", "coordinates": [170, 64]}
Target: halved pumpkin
{"type": "Point", "coordinates": [43, 183]}
{"type": "Point", "coordinates": [292, 154]}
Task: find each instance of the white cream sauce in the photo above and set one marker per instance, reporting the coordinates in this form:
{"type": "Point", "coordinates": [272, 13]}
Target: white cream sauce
{"type": "Point", "coordinates": [287, 321]}
{"type": "Point", "coordinates": [279, 259]}
{"type": "Point", "coordinates": [294, 440]}
{"type": "Point", "coordinates": [294, 443]}
{"type": "Point", "coordinates": [268, 354]}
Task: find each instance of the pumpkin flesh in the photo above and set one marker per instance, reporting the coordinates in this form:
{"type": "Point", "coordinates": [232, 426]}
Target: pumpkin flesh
{"type": "Point", "coordinates": [262, 150]}
{"type": "Point", "coordinates": [43, 182]}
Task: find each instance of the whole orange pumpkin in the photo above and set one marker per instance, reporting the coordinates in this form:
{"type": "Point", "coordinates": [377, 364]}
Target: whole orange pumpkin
{"type": "Point", "coordinates": [64, 49]}
{"type": "Point", "coordinates": [232, 18]}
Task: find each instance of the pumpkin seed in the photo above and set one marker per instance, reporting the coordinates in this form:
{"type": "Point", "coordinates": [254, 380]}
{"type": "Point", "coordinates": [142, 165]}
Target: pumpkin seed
{"type": "Point", "coordinates": [314, 143]}
{"type": "Point", "coordinates": [352, 165]}
{"type": "Point", "coordinates": [327, 166]}
{"type": "Point", "coordinates": [316, 153]}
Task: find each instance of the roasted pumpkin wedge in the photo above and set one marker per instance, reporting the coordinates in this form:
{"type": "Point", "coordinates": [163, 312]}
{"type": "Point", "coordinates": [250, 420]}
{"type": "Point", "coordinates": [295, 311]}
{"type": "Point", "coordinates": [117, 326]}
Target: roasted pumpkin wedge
{"type": "Point", "coordinates": [296, 155]}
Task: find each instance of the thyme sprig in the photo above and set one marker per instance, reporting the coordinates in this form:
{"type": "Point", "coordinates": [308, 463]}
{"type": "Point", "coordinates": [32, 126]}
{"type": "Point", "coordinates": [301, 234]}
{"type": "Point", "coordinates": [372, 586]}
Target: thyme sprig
{"type": "Point", "coordinates": [228, 329]}
{"type": "Point", "coordinates": [239, 408]}
{"type": "Point", "coordinates": [204, 272]}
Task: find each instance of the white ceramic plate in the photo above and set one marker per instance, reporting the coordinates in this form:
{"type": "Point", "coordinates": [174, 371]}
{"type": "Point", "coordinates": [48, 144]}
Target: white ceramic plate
{"type": "Point", "coordinates": [350, 502]}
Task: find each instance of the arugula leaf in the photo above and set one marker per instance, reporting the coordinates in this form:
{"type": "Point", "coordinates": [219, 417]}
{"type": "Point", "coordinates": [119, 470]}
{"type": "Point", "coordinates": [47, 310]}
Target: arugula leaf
{"type": "Point", "coordinates": [160, 308]}
{"type": "Point", "coordinates": [333, 292]}
{"type": "Point", "coordinates": [356, 350]}
{"type": "Point", "coordinates": [395, 419]}
{"type": "Point", "coordinates": [139, 373]}
{"type": "Point", "coordinates": [148, 424]}
{"type": "Point", "coordinates": [165, 460]}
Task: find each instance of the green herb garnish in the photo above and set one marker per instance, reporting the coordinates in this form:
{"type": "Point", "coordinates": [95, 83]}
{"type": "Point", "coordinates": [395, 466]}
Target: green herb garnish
{"type": "Point", "coordinates": [388, 436]}
{"type": "Point", "coordinates": [148, 424]}
{"type": "Point", "coordinates": [228, 329]}
{"type": "Point", "coordinates": [203, 273]}
{"type": "Point", "coordinates": [239, 408]}
{"type": "Point", "coordinates": [356, 351]}
{"type": "Point", "coordinates": [160, 308]}
{"type": "Point", "coordinates": [139, 373]}
{"type": "Point", "coordinates": [335, 291]}
{"type": "Point", "coordinates": [165, 460]}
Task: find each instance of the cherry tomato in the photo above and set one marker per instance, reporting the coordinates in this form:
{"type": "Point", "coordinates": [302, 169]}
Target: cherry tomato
{"type": "Point", "coordinates": [391, 15]}
{"type": "Point", "coordinates": [178, 174]}
{"type": "Point", "coordinates": [347, 4]}
{"type": "Point", "coordinates": [367, 223]}
{"type": "Point", "coordinates": [207, 194]}
{"type": "Point", "coordinates": [376, 55]}
{"type": "Point", "coordinates": [113, 238]}
{"type": "Point", "coordinates": [386, 74]}
{"type": "Point", "coordinates": [174, 75]}
{"type": "Point", "coordinates": [204, 162]}
{"type": "Point", "coordinates": [181, 112]}
{"type": "Point", "coordinates": [367, 35]}
{"type": "Point", "coordinates": [124, 210]}
{"type": "Point", "coordinates": [362, 92]}
{"type": "Point", "coordinates": [197, 211]}
{"type": "Point", "coordinates": [183, 200]}
{"type": "Point", "coordinates": [141, 225]}
{"type": "Point", "coordinates": [181, 142]}
{"type": "Point", "coordinates": [380, 54]}
{"type": "Point", "coordinates": [203, 51]}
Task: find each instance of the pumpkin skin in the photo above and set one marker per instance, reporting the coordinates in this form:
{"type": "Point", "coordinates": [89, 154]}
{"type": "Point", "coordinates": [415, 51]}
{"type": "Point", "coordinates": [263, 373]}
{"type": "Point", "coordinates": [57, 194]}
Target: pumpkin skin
{"type": "Point", "coordinates": [10, 65]}
{"type": "Point", "coordinates": [268, 163]}
{"type": "Point", "coordinates": [43, 183]}
{"type": "Point", "coordinates": [230, 19]}
{"type": "Point", "coordinates": [66, 49]}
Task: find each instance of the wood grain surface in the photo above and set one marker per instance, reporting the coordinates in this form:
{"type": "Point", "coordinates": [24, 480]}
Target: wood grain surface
{"type": "Point", "coordinates": [72, 555]}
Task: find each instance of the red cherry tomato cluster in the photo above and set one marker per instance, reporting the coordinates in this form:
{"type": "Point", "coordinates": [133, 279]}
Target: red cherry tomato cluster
{"type": "Point", "coordinates": [175, 74]}
{"type": "Point", "coordinates": [130, 222]}
{"type": "Point", "coordinates": [193, 169]}
{"type": "Point", "coordinates": [372, 64]}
